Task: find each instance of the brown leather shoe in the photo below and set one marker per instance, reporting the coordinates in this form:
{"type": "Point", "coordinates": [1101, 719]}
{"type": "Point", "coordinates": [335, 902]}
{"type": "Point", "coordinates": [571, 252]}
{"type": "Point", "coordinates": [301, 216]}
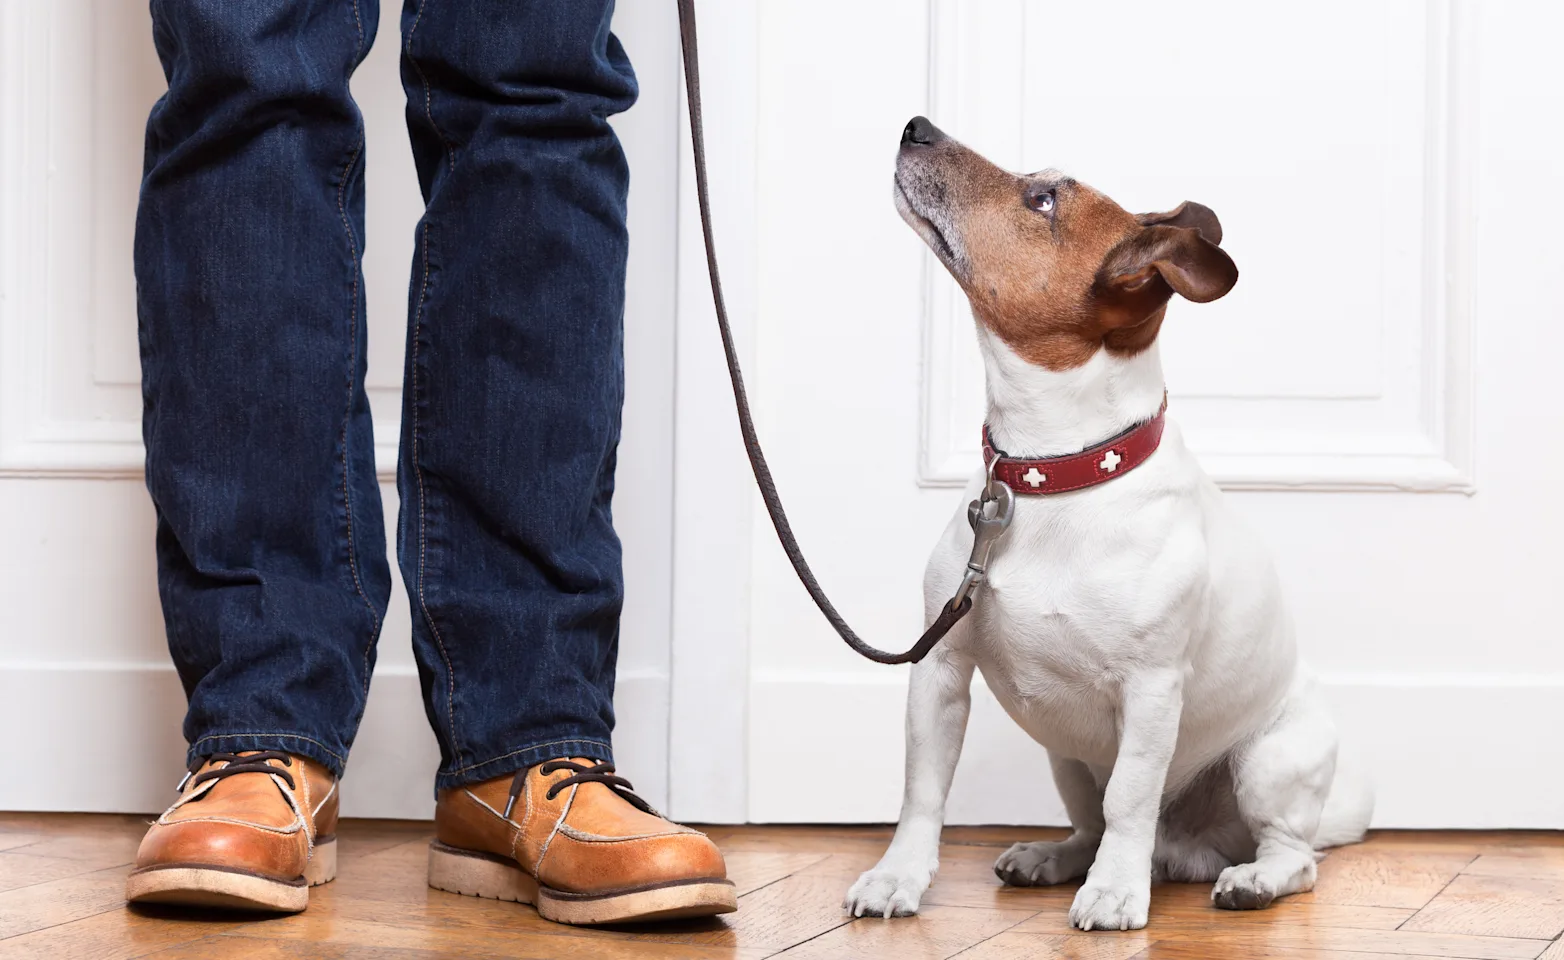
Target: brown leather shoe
{"type": "Point", "coordinates": [252, 831]}
{"type": "Point", "coordinates": [570, 837]}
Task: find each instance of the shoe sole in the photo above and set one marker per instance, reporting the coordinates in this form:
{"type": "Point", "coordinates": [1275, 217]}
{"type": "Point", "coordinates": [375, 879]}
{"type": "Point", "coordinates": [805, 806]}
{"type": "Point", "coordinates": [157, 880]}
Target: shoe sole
{"type": "Point", "coordinates": [472, 873]}
{"type": "Point", "coordinates": [195, 885]}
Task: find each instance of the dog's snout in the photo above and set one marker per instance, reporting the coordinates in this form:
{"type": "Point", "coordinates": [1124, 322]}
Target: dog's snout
{"type": "Point", "coordinates": [919, 131]}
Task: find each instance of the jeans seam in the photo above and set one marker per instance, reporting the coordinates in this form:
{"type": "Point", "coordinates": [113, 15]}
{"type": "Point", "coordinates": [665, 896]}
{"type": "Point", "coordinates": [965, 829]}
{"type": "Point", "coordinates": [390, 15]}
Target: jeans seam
{"type": "Point", "coordinates": [347, 496]}
{"type": "Point", "coordinates": [423, 526]}
{"type": "Point", "coordinates": [450, 152]}
{"type": "Point", "coordinates": [536, 746]}
{"type": "Point", "coordinates": [277, 736]}
{"type": "Point", "coordinates": [359, 23]}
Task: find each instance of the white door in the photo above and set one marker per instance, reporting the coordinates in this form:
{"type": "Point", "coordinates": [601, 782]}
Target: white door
{"type": "Point", "coordinates": [89, 703]}
{"type": "Point", "coordinates": [1378, 395]}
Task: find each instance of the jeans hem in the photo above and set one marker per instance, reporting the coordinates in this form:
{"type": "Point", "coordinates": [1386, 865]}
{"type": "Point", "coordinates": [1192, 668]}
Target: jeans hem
{"type": "Point", "coordinates": [522, 758]}
{"type": "Point", "coordinates": [293, 743]}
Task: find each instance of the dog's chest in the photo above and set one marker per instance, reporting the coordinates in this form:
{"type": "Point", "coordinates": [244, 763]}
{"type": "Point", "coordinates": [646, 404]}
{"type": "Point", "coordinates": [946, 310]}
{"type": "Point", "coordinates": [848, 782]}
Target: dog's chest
{"type": "Point", "coordinates": [1077, 599]}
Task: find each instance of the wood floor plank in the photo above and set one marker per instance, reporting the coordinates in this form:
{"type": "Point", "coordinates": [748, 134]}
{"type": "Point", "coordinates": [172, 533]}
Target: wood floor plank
{"type": "Point", "coordinates": [78, 825]}
{"type": "Point", "coordinates": [1186, 908]}
{"type": "Point", "coordinates": [102, 847]}
{"type": "Point", "coordinates": [10, 841]}
{"type": "Point", "coordinates": [42, 905]}
{"type": "Point", "coordinates": [1389, 874]}
{"type": "Point", "coordinates": [18, 870]}
{"type": "Point", "coordinates": [219, 948]}
{"type": "Point", "coordinates": [752, 869]}
{"type": "Point", "coordinates": [1015, 945]}
{"type": "Point", "coordinates": [1173, 950]}
{"type": "Point", "coordinates": [1546, 863]}
{"type": "Point", "coordinates": [1397, 942]}
{"type": "Point", "coordinates": [450, 939]}
{"type": "Point", "coordinates": [937, 932]}
{"type": "Point", "coordinates": [117, 934]}
{"type": "Point", "coordinates": [772, 918]}
{"type": "Point", "coordinates": [1495, 906]}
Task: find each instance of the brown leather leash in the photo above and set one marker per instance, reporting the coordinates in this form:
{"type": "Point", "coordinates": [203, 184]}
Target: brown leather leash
{"type": "Point", "coordinates": [990, 515]}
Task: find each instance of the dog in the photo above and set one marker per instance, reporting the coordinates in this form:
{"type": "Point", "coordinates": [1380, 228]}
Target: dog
{"type": "Point", "coordinates": [1133, 626]}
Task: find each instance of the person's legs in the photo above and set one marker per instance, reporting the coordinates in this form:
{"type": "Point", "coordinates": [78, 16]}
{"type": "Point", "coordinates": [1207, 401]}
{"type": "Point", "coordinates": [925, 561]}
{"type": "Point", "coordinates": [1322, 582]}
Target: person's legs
{"type": "Point", "coordinates": [514, 377]}
{"type": "Point", "coordinates": [270, 544]}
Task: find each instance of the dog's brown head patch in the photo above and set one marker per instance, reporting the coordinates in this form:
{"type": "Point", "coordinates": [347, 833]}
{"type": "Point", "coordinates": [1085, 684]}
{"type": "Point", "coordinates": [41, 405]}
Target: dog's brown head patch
{"type": "Point", "coordinates": [1053, 267]}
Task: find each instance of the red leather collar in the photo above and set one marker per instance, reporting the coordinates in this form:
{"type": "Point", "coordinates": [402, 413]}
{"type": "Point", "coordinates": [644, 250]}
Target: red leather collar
{"type": "Point", "coordinates": [1075, 471]}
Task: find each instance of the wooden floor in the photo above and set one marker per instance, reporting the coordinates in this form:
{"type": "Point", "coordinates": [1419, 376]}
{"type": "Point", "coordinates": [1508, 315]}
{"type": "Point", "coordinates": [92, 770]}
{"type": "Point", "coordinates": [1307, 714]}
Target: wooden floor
{"type": "Point", "coordinates": [1498, 896]}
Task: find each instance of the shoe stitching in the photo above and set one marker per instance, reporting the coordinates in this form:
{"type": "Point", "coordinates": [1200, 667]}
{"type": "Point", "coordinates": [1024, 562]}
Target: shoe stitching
{"type": "Point", "coordinates": [323, 800]}
{"type": "Point", "coordinates": [298, 809]}
{"type": "Point", "coordinates": [537, 870]}
{"type": "Point", "coordinates": [481, 802]}
{"type": "Point", "coordinates": [586, 837]}
{"type": "Point", "coordinates": [197, 792]}
{"type": "Point", "coordinates": [281, 831]}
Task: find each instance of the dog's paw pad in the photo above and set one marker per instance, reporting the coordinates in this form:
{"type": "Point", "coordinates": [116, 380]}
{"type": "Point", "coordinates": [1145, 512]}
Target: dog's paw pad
{"type": "Point", "coordinates": [1043, 863]}
{"type": "Point", "coordinates": [886, 893]}
{"type": "Point", "coordinates": [1109, 907]}
{"type": "Point", "coordinates": [1242, 888]}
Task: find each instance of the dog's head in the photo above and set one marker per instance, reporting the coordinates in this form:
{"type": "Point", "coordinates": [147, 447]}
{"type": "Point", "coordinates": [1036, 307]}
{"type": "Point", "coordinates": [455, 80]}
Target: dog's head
{"type": "Point", "coordinates": [1054, 268]}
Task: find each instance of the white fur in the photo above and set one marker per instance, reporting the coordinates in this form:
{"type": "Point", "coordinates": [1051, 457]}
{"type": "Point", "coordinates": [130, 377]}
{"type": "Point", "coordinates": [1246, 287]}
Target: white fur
{"type": "Point", "coordinates": [1137, 631]}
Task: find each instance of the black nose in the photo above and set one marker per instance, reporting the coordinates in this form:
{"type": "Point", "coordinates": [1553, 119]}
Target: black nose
{"type": "Point", "coordinates": [920, 131]}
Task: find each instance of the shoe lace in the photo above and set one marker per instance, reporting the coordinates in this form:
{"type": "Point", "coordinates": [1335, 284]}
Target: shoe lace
{"type": "Point", "coordinates": [251, 763]}
{"type": "Point", "coordinates": [598, 773]}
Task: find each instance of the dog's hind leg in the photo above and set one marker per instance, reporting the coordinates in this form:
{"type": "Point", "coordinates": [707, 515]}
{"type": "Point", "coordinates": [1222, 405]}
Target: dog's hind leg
{"type": "Point", "coordinates": [1200, 833]}
{"type": "Point", "coordinates": [1280, 781]}
{"type": "Point", "coordinates": [939, 699]}
{"type": "Point", "coordinates": [1060, 861]}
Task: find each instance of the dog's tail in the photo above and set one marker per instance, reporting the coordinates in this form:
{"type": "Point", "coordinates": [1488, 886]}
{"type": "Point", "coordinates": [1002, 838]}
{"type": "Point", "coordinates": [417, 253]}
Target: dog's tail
{"type": "Point", "coordinates": [1348, 809]}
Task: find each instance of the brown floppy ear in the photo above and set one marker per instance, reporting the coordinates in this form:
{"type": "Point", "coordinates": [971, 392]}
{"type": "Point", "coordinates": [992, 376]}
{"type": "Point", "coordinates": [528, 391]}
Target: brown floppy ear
{"type": "Point", "coordinates": [1142, 272]}
{"type": "Point", "coordinates": [1187, 214]}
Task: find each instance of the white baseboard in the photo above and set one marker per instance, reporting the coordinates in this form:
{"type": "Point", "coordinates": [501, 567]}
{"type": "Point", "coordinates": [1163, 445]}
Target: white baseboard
{"type": "Point", "coordinates": [126, 753]}
{"type": "Point", "coordinates": [1444, 752]}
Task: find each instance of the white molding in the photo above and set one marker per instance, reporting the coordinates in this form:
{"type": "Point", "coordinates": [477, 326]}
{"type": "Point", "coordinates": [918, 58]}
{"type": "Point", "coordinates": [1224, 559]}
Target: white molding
{"type": "Point", "coordinates": [34, 442]}
{"type": "Point", "coordinates": [713, 490]}
{"type": "Point", "coordinates": [131, 765]}
{"type": "Point", "coordinates": [25, 74]}
{"type": "Point", "coordinates": [1433, 455]}
{"type": "Point", "coordinates": [1410, 733]}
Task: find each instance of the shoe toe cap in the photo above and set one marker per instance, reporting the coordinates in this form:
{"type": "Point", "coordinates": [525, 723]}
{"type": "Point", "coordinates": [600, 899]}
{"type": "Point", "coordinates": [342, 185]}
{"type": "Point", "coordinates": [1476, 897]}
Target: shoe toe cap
{"type": "Point", "coordinates": [225, 845]}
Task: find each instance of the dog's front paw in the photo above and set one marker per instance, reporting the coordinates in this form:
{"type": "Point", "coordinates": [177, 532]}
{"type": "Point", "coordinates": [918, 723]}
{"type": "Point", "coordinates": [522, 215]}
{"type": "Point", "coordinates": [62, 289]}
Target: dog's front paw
{"type": "Point", "coordinates": [1107, 906]}
{"type": "Point", "coordinates": [887, 892]}
{"type": "Point", "coordinates": [1044, 863]}
{"type": "Point", "coordinates": [1242, 888]}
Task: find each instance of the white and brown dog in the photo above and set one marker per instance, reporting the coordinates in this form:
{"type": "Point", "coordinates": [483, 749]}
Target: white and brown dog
{"type": "Point", "coordinates": [1133, 627]}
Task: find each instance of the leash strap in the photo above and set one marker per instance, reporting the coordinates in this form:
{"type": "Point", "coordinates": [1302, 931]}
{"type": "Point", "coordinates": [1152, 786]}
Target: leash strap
{"type": "Point", "coordinates": [952, 611]}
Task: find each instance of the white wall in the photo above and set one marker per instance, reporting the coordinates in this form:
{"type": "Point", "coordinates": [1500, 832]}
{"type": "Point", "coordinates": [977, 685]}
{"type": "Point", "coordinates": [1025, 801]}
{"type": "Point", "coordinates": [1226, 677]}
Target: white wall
{"type": "Point", "coordinates": [83, 667]}
{"type": "Point", "coordinates": [1375, 394]}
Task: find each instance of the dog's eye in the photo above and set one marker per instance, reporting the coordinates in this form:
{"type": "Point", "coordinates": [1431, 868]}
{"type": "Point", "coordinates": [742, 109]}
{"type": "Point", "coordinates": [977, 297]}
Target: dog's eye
{"type": "Point", "coordinates": [1042, 202]}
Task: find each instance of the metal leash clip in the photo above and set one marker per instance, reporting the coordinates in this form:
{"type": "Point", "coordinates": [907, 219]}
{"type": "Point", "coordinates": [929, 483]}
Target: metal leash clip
{"type": "Point", "coordinates": [989, 516]}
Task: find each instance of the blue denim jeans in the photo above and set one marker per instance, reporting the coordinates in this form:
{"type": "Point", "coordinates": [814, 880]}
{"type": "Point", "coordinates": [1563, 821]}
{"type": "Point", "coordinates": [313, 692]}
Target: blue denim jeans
{"type": "Point", "coordinates": [260, 461]}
